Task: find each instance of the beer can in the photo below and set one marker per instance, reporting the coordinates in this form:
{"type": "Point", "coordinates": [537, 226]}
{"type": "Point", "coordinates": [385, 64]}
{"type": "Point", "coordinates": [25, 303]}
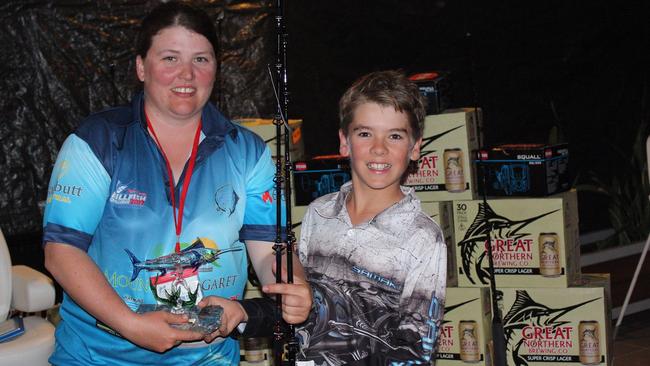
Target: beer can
{"type": "Point", "coordinates": [254, 349]}
{"type": "Point", "coordinates": [454, 170]}
{"type": "Point", "coordinates": [468, 340]}
{"type": "Point", "coordinates": [589, 338]}
{"type": "Point", "coordinates": [549, 255]}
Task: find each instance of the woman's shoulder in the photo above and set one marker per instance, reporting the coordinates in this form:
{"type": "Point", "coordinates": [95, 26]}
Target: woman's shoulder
{"type": "Point", "coordinates": [114, 118]}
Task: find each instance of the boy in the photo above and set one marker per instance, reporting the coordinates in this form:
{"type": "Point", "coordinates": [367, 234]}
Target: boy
{"type": "Point", "coordinates": [376, 262]}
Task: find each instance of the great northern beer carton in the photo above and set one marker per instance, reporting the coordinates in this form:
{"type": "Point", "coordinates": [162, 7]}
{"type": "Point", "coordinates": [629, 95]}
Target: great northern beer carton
{"type": "Point", "coordinates": [446, 169]}
{"type": "Point", "coordinates": [524, 169]}
{"type": "Point", "coordinates": [550, 327]}
{"type": "Point", "coordinates": [534, 241]}
{"type": "Point", "coordinates": [265, 128]}
{"type": "Point", "coordinates": [465, 332]}
{"type": "Point", "coordinates": [442, 214]}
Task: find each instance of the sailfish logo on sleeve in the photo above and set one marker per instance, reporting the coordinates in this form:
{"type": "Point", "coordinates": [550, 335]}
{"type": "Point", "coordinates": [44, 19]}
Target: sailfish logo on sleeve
{"type": "Point", "coordinates": [501, 227]}
{"type": "Point", "coordinates": [526, 313]}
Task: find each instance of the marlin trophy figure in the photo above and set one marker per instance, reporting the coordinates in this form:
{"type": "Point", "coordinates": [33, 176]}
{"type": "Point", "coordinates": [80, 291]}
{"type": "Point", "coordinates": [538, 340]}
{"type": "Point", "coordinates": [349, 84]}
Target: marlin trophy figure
{"type": "Point", "coordinates": [487, 221]}
{"type": "Point", "coordinates": [524, 312]}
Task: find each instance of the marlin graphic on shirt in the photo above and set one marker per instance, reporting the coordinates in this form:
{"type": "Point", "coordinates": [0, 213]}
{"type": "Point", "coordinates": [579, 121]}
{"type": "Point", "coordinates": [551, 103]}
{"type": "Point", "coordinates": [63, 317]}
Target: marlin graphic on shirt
{"type": "Point", "coordinates": [193, 256]}
{"type": "Point", "coordinates": [525, 312]}
{"type": "Point", "coordinates": [487, 221]}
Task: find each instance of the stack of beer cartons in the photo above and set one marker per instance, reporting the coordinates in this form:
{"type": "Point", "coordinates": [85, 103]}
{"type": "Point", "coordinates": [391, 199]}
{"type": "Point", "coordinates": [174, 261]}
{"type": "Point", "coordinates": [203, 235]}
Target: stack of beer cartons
{"type": "Point", "coordinates": [551, 314]}
{"type": "Point", "coordinates": [446, 173]}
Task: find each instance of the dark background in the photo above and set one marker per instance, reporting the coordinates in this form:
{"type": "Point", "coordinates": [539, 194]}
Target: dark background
{"type": "Point", "coordinates": [543, 71]}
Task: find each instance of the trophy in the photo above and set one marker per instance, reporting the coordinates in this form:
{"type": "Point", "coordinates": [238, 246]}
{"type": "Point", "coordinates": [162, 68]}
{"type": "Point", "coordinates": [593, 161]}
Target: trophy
{"type": "Point", "coordinates": [180, 299]}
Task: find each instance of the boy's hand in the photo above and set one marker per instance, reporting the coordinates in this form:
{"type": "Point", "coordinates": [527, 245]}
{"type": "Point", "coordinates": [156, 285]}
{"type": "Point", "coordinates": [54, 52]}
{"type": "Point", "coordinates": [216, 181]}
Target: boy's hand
{"type": "Point", "coordinates": [296, 296]}
{"type": "Point", "coordinates": [233, 314]}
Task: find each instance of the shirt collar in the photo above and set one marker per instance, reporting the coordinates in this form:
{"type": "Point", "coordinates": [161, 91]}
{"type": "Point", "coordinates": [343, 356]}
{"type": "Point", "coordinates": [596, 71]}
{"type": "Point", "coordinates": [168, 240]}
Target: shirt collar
{"type": "Point", "coordinates": [214, 125]}
{"type": "Point", "coordinates": [336, 208]}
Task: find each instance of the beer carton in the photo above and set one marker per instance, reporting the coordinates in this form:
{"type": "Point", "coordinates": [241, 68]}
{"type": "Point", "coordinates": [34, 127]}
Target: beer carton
{"type": "Point", "coordinates": [251, 291]}
{"type": "Point", "coordinates": [434, 87]}
{"type": "Point", "coordinates": [465, 332]}
{"type": "Point", "coordinates": [318, 177]}
{"type": "Point", "coordinates": [534, 241]}
{"type": "Point", "coordinates": [550, 327]}
{"type": "Point", "coordinates": [446, 169]}
{"type": "Point", "coordinates": [265, 128]}
{"type": "Point", "coordinates": [442, 214]}
{"type": "Point", "coordinates": [524, 169]}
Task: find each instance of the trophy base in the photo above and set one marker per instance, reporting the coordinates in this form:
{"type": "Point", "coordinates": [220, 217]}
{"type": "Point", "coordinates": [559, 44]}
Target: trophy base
{"type": "Point", "coordinates": [204, 320]}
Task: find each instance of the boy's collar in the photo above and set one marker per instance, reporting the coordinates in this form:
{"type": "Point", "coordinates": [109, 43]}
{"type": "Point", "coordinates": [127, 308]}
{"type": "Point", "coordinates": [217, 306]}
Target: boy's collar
{"type": "Point", "coordinates": [337, 208]}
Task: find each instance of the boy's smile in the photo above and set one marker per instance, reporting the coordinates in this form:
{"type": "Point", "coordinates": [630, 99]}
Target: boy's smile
{"type": "Point", "coordinates": [380, 145]}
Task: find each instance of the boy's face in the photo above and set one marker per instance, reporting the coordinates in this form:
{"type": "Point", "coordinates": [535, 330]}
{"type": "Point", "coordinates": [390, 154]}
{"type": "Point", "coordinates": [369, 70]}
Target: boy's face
{"type": "Point", "coordinates": [380, 146]}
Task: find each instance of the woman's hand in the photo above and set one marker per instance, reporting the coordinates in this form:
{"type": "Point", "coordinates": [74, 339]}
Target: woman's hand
{"type": "Point", "coordinates": [153, 331]}
{"type": "Point", "coordinates": [233, 314]}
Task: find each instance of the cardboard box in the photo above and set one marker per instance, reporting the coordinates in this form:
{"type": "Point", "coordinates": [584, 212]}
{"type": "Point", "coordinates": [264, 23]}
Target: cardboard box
{"type": "Point", "coordinates": [318, 177]}
{"type": "Point", "coordinates": [435, 88]}
{"type": "Point", "coordinates": [442, 214]}
{"type": "Point", "coordinates": [266, 130]}
{"type": "Point", "coordinates": [534, 241]}
{"type": "Point", "coordinates": [453, 136]}
{"type": "Point", "coordinates": [466, 308]}
{"type": "Point", "coordinates": [550, 327]}
{"type": "Point", "coordinates": [524, 169]}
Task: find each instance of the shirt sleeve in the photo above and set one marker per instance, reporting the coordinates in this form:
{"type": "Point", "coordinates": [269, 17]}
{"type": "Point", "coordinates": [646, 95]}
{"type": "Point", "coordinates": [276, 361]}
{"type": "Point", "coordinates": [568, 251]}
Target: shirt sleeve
{"type": "Point", "coordinates": [76, 195]}
{"type": "Point", "coordinates": [303, 241]}
{"type": "Point", "coordinates": [260, 212]}
{"type": "Point", "coordinates": [422, 299]}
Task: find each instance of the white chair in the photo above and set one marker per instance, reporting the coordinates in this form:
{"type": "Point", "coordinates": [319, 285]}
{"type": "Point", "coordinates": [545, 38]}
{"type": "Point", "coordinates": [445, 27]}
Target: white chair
{"type": "Point", "coordinates": [26, 290]}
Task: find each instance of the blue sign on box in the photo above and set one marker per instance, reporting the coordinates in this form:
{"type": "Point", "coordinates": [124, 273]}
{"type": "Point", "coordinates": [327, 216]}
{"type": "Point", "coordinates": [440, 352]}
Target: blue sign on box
{"type": "Point", "coordinates": [524, 169]}
{"type": "Point", "coordinates": [318, 177]}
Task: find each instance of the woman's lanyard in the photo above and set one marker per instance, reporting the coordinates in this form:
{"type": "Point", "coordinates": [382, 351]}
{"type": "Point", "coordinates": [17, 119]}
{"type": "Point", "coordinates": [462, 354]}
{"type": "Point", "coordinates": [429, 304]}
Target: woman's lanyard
{"type": "Point", "coordinates": [178, 219]}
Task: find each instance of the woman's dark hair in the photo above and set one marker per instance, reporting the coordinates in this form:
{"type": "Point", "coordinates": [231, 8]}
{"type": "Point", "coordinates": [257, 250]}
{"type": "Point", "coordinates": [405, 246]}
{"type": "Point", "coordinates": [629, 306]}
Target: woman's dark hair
{"type": "Point", "coordinates": [174, 14]}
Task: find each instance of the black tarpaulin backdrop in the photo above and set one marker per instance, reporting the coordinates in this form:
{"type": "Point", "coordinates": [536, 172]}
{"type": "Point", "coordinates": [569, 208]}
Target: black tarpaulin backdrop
{"type": "Point", "coordinates": [573, 69]}
{"type": "Point", "coordinates": [62, 60]}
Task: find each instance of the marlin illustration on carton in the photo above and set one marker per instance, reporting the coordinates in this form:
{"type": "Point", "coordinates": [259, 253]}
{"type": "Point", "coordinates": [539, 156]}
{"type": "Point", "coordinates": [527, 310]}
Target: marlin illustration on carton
{"type": "Point", "coordinates": [501, 227]}
{"type": "Point", "coordinates": [526, 312]}
{"type": "Point", "coordinates": [193, 256]}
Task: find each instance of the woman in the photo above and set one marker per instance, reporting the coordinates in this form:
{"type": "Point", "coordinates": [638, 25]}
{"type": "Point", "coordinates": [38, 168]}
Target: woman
{"type": "Point", "coordinates": [166, 177]}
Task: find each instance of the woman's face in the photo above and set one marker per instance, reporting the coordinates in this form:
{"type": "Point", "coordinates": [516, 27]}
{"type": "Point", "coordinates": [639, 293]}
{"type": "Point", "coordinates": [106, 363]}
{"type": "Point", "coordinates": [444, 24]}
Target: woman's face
{"type": "Point", "coordinates": [178, 74]}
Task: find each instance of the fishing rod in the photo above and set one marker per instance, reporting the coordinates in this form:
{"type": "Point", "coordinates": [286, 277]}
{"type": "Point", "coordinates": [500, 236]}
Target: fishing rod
{"type": "Point", "coordinates": [283, 334]}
